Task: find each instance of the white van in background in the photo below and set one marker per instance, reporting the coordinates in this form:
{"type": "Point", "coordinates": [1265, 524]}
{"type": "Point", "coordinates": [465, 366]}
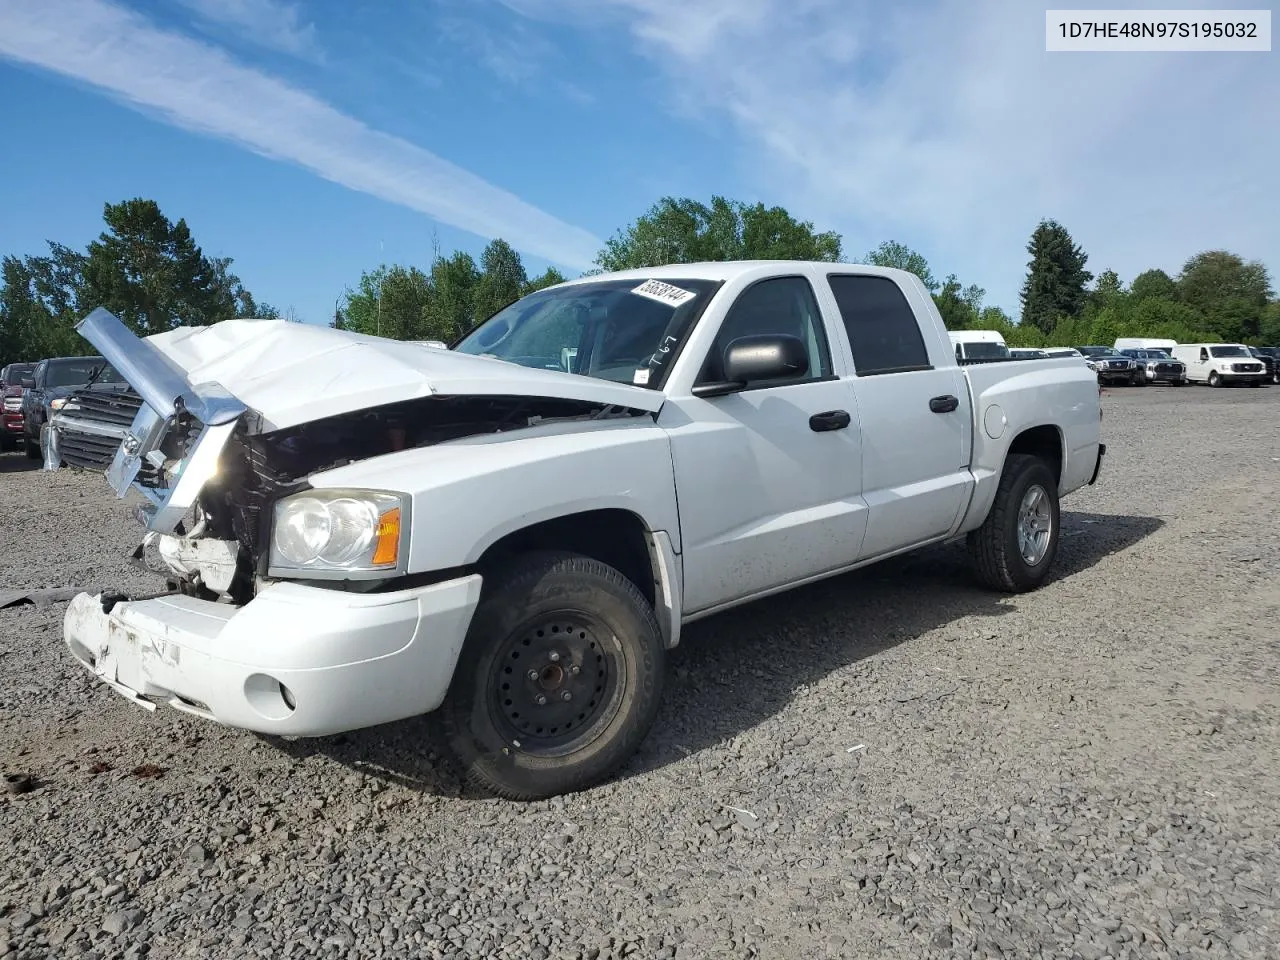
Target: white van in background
{"type": "Point", "coordinates": [1145, 343]}
{"type": "Point", "coordinates": [1218, 364]}
{"type": "Point", "coordinates": [979, 345]}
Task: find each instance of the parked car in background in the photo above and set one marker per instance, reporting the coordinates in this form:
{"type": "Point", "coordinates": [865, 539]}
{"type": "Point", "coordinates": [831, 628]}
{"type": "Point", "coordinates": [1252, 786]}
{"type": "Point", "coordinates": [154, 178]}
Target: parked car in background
{"type": "Point", "coordinates": [1059, 352]}
{"type": "Point", "coordinates": [1112, 367]}
{"type": "Point", "coordinates": [88, 428]}
{"type": "Point", "coordinates": [1220, 364]}
{"type": "Point", "coordinates": [1145, 343]}
{"type": "Point", "coordinates": [52, 383]}
{"type": "Point", "coordinates": [1157, 366]}
{"type": "Point", "coordinates": [1027, 353]}
{"type": "Point", "coordinates": [978, 345]}
{"type": "Point", "coordinates": [15, 378]}
{"type": "Point", "coordinates": [1270, 360]}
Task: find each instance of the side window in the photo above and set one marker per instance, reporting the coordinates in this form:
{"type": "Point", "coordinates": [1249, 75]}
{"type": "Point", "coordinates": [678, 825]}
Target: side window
{"type": "Point", "coordinates": [1204, 354]}
{"type": "Point", "coordinates": [883, 331]}
{"type": "Point", "coordinates": [782, 305]}
{"type": "Point", "coordinates": [39, 375]}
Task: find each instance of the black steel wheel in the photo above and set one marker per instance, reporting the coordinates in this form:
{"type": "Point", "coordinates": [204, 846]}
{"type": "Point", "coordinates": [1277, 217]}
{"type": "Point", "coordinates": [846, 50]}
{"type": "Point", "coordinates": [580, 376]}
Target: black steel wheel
{"type": "Point", "coordinates": [559, 680]}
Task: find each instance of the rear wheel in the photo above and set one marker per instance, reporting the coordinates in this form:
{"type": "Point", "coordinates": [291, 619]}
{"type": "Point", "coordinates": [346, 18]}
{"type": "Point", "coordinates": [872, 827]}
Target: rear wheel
{"type": "Point", "coordinates": [1014, 548]}
{"type": "Point", "coordinates": [559, 680]}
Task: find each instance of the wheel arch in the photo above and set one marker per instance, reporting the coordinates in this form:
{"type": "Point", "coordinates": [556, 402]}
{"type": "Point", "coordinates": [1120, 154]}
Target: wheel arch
{"type": "Point", "coordinates": [615, 536]}
{"type": "Point", "coordinates": [1044, 441]}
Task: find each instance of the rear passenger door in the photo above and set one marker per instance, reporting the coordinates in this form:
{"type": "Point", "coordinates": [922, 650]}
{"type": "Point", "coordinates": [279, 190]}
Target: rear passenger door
{"type": "Point", "coordinates": [914, 413]}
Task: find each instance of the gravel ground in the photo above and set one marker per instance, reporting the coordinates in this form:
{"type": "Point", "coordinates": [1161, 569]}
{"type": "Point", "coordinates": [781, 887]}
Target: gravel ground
{"type": "Point", "coordinates": [890, 764]}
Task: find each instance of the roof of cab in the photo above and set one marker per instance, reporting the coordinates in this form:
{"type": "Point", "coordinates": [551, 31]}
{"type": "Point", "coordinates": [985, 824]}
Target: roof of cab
{"type": "Point", "coordinates": [730, 269]}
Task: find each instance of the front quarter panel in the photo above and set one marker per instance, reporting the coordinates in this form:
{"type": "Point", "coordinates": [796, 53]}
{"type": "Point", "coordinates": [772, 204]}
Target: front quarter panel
{"type": "Point", "coordinates": [470, 493]}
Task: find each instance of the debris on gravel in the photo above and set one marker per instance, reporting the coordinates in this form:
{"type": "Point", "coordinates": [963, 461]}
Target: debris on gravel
{"type": "Point", "coordinates": [890, 764]}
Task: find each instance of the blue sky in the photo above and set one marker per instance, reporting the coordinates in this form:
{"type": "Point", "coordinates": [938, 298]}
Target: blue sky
{"type": "Point", "coordinates": [313, 141]}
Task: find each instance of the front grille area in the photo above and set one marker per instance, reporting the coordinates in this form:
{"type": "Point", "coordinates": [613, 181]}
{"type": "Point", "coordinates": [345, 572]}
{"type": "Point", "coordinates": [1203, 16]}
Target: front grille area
{"type": "Point", "coordinates": [95, 451]}
{"type": "Point", "coordinates": [1247, 367]}
{"type": "Point", "coordinates": [117, 409]}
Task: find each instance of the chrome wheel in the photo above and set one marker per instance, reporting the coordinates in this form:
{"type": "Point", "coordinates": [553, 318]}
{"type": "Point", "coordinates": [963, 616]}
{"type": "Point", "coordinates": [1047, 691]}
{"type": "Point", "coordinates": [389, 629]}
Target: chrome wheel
{"type": "Point", "coordinates": [1035, 525]}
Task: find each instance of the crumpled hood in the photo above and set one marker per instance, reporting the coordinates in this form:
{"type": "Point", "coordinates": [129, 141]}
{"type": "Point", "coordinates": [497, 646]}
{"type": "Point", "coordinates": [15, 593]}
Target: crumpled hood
{"type": "Point", "coordinates": [293, 373]}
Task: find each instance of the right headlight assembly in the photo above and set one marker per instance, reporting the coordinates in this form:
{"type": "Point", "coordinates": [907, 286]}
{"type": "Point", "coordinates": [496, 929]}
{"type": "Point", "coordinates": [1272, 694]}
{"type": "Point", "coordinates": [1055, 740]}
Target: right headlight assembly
{"type": "Point", "coordinates": [339, 534]}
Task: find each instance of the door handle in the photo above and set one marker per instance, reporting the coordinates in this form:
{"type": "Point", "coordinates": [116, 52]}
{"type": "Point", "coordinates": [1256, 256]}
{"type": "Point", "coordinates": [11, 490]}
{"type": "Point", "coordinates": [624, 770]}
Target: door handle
{"type": "Point", "coordinates": [831, 420]}
{"type": "Point", "coordinates": [943, 404]}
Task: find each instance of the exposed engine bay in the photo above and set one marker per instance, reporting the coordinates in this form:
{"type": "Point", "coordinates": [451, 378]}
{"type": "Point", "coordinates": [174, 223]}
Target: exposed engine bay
{"type": "Point", "coordinates": [232, 516]}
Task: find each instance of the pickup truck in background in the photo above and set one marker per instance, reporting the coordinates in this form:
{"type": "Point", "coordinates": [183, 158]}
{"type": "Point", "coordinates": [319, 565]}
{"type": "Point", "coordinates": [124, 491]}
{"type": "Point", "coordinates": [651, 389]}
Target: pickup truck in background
{"type": "Point", "coordinates": [512, 532]}
{"type": "Point", "coordinates": [15, 379]}
{"type": "Point", "coordinates": [53, 382]}
{"type": "Point", "coordinates": [1157, 366]}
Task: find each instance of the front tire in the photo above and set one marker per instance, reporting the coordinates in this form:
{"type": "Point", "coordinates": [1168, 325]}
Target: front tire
{"type": "Point", "coordinates": [559, 679]}
{"type": "Point", "coordinates": [1214, 379]}
{"type": "Point", "coordinates": [1015, 547]}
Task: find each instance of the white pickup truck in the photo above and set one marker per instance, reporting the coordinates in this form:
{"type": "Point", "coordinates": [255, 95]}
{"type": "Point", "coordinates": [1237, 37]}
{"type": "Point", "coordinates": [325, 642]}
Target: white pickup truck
{"type": "Point", "coordinates": [513, 531]}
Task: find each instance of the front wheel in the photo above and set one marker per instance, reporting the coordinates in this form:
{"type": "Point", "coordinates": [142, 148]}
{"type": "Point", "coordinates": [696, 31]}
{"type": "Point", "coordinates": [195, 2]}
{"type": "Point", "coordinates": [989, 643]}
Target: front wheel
{"type": "Point", "coordinates": [1015, 547]}
{"type": "Point", "coordinates": [1214, 379]}
{"type": "Point", "coordinates": [559, 679]}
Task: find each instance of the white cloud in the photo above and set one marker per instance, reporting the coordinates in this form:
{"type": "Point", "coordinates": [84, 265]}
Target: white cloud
{"type": "Point", "coordinates": [199, 88]}
{"type": "Point", "coordinates": [947, 126]}
{"type": "Point", "coordinates": [268, 23]}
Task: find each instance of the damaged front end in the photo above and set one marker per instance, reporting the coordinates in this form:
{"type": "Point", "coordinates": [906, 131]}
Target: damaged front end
{"type": "Point", "coordinates": [209, 474]}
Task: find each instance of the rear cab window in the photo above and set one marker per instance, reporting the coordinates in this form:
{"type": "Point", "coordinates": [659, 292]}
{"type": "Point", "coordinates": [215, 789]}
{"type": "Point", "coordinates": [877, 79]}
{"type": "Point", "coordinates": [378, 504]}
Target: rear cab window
{"type": "Point", "coordinates": [883, 332]}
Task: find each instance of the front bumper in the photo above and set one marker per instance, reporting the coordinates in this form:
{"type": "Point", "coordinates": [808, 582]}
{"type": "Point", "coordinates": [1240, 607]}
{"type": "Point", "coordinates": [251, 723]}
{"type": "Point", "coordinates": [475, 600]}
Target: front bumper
{"type": "Point", "coordinates": [295, 661]}
{"type": "Point", "coordinates": [1244, 377]}
{"type": "Point", "coordinates": [11, 425]}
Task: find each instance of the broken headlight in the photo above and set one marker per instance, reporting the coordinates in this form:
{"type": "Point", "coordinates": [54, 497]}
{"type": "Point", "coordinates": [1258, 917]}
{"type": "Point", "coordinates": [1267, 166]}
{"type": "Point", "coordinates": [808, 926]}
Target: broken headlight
{"type": "Point", "coordinates": [339, 534]}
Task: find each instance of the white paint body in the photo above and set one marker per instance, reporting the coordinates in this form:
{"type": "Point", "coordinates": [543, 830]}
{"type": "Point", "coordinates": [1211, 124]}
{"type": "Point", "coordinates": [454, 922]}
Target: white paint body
{"type": "Point", "coordinates": [1202, 365]}
{"type": "Point", "coordinates": [1145, 343]}
{"type": "Point", "coordinates": [740, 498]}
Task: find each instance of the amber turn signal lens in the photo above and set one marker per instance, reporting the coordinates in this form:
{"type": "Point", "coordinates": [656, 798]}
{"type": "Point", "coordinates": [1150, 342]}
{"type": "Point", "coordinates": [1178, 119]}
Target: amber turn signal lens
{"type": "Point", "coordinates": [387, 542]}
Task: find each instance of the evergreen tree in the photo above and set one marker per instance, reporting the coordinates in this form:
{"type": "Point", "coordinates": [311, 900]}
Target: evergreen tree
{"type": "Point", "coordinates": [1056, 277]}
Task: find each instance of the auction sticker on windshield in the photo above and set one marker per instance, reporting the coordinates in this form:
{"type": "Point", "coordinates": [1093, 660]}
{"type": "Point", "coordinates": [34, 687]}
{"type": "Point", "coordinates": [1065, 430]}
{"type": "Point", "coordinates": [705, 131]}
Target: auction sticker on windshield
{"type": "Point", "coordinates": [666, 293]}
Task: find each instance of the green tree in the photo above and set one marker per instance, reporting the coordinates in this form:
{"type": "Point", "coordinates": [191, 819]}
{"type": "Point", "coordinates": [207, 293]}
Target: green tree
{"type": "Point", "coordinates": [891, 253]}
{"type": "Point", "coordinates": [1229, 292]}
{"type": "Point", "coordinates": [502, 279]}
{"type": "Point", "coordinates": [957, 304]}
{"type": "Point", "coordinates": [1107, 291]}
{"type": "Point", "coordinates": [452, 313]}
{"type": "Point", "coordinates": [1056, 277]}
{"type": "Point", "coordinates": [151, 273]}
{"type": "Point", "coordinates": [1270, 333]}
{"type": "Point", "coordinates": [688, 231]}
{"type": "Point", "coordinates": [40, 306]}
{"type": "Point", "coordinates": [549, 278]}
{"type": "Point", "coordinates": [1153, 285]}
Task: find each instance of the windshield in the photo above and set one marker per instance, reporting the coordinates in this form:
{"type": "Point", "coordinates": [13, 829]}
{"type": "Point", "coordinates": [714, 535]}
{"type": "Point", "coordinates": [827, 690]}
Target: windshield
{"type": "Point", "coordinates": [620, 330]}
{"type": "Point", "coordinates": [1228, 351]}
{"type": "Point", "coordinates": [72, 373]}
{"type": "Point", "coordinates": [977, 350]}
{"type": "Point", "coordinates": [20, 375]}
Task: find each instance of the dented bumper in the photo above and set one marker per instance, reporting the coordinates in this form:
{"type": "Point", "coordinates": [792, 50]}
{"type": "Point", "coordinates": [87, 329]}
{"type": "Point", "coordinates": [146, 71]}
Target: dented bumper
{"type": "Point", "coordinates": [295, 661]}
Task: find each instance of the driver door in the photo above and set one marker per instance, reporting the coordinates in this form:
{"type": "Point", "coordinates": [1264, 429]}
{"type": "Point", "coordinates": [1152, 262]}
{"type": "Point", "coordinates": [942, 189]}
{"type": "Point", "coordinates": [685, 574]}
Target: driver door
{"type": "Point", "coordinates": [768, 479]}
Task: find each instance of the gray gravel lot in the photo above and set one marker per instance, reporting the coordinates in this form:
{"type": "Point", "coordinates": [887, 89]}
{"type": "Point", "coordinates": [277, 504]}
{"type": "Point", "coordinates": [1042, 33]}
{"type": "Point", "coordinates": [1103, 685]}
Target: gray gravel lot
{"type": "Point", "coordinates": [1087, 771]}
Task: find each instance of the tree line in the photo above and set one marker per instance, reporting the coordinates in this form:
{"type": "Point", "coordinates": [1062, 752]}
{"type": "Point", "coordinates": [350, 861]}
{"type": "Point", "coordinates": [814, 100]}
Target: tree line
{"type": "Point", "coordinates": [149, 271]}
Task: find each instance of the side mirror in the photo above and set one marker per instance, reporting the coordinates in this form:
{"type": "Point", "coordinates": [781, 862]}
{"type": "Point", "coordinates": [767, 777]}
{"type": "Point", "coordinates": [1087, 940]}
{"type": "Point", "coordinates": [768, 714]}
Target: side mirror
{"type": "Point", "coordinates": [761, 357]}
